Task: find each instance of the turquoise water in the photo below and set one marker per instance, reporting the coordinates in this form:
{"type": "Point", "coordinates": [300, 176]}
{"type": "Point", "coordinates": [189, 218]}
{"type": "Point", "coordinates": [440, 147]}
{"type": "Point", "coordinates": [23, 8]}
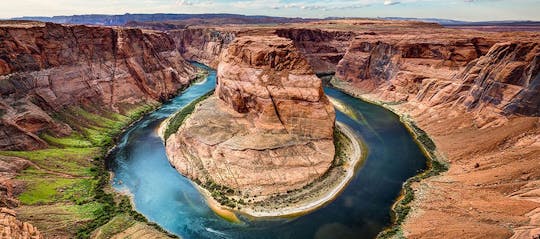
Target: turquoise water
{"type": "Point", "coordinates": [362, 210]}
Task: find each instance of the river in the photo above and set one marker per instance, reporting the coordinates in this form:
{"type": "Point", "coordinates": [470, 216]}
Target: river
{"type": "Point", "coordinates": [362, 210]}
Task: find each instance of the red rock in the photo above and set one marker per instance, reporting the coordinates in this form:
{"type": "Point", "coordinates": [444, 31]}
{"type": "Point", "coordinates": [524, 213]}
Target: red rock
{"type": "Point", "coordinates": [267, 130]}
{"type": "Point", "coordinates": [48, 68]}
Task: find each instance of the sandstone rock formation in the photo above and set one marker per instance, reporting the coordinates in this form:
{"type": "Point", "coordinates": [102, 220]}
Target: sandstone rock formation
{"type": "Point", "coordinates": [323, 49]}
{"type": "Point", "coordinates": [203, 45]}
{"type": "Point", "coordinates": [10, 227]}
{"type": "Point", "coordinates": [268, 129]}
{"type": "Point", "coordinates": [468, 70]}
{"type": "Point", "coordinates": [474, 94]}
{"type": "Point", "coordinates": [10, 187]}
{"type": "Point", "coordinates": [46, 68]}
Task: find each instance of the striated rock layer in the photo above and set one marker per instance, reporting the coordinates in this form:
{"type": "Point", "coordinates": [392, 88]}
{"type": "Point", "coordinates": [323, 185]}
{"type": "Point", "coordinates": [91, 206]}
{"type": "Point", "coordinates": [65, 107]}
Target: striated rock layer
{"type": "Point", "coordinates": [476, 95]}
{"type": "Point", "coordinates": [268, 129]}
{"type": "Point", "coordinates": [202, 44]}
{"type": "Point", "coordinates": [467, 70]}
{"type": "Point", "coordinates": [47, 68]}
{"type": "Point", "coordinates": [323, 49]}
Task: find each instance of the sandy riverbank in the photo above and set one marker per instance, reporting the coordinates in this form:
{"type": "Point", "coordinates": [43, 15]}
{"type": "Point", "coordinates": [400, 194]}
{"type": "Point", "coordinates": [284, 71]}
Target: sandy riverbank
{"type": "Point", "coordinates": [491, 187]}
{"type": "Point", "coordinates": [304, 200]}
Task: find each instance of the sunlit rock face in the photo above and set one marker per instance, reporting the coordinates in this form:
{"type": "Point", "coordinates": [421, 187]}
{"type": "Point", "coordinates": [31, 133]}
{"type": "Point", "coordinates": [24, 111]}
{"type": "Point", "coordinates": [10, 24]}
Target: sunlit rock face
{"type": "Point", "coordinates": [47, 68]}
{"type": "Point", "coordinates": [268, 128]}
{"type": "Point", "coordinates": [267, 77]}
{"type": "Point", "coordinates": [463, 72]}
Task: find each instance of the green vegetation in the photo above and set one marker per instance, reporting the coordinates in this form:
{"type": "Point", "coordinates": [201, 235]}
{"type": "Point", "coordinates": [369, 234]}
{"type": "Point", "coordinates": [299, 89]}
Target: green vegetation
{"type": "Point", "coordinates": [435, 167]}
{"type": "Point", "coordinates": [435, 164]}
{"type": "Point", "coordinates": [65, 185]}
{"type": "Point", "coordinates": [67, 161]}
{"type": "Point", "coordinates": [74, 140]}
{"type": "Point", "coordinates": [221, 193]}
{"type": "Point", "coordinates": [119, 223]}
{"type": "Point", "coordinates": [178, 118]}
{"type": "Point", "coordinates": [340, 141]}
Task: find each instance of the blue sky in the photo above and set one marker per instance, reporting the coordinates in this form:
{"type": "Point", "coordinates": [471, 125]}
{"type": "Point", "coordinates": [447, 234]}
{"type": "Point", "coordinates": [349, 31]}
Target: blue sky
{"type": "Point", "coordinates": [452, 9]}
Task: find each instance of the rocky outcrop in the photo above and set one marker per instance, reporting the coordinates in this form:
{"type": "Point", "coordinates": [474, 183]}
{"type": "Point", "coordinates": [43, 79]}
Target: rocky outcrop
{"type": "Point", "coordinates": [46, 68]}
{"type": "Point", "coordinates": [268, 129]}
{"type": "Point", "coordinates": [203, 45]}
{"type": "Point", "coordinates": [474, 95]}
{"type": "Point", "coordinates": [400, 65]}
{"type": "Point", "coordinates": [270, 79]}
{"type": "Point", "coordinates": [10, 227]}
{"type": "Point", "coordinates": [473, 72]}
{"type": "Point", "coordinates": [323, 49]}
{"type": "Point", "coordinates": [506, 78]}
{"type": "Point", "coordinates": [9, 186]}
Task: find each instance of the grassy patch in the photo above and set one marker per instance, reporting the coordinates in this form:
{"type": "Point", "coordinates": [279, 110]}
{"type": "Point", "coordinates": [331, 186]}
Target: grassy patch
{"type": "Point", "coordinates": [74, 161]}
{"type": "Point", "coordinates": [116, 225]}
{"type": "Point", "coordinates": [65, 188]}
{"type": "Point", "coordinates": [74, 140]}
{"type": "Point", "coordinates": [42, 189]}
{"type": "Point", "coordinates": [179, 117]}
{"type": "Point", "coordinates": [59, 219]}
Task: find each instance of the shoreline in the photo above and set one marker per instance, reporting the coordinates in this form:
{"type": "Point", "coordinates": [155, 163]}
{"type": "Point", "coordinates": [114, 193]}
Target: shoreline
{"type": "Point", "coordinates": [357, 155]}
{"type": "Point", "coordinates": [436, 163]}
{"type": "Point", "coordinates": [350, 167]}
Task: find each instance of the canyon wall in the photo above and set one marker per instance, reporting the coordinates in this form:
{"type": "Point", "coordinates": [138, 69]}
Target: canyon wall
{"type": "Point", "coordinates": [203, 45]}
{"type": "Point", "coordinates": [473, 72]}
{"type": "Point", "coordinates": [323, 49]}
{"type": "Point", "coordinates": [477, 96]}
{"type": "Point", "coordinates": [272, 80]}
{"type": "Point", "coordinates": [267, 130]}
{"type": "Point", "coordinates": [47, 68]}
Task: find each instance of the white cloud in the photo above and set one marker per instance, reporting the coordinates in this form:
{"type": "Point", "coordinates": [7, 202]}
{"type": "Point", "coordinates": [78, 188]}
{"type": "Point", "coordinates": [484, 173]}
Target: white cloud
{"type": "Point", "coordinates": [390, 2]}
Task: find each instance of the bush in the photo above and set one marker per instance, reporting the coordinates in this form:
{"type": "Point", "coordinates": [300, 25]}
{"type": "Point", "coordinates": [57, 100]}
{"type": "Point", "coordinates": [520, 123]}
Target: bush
{"type": "Point", "coordinates": [179, 117]}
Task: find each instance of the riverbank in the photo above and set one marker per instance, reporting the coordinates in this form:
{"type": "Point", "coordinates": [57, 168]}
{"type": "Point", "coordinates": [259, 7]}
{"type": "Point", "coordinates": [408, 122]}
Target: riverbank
{"type": "Point", "coordinates": [73, 198]}
{"type": "Point", "coordinates": [489, 183]}
{"type": "Point", "coordinates": [78, 200]}
{"type": "Point", "coordinates": [436, 162]}
{"type": "Point", "coordinates": [313, 196]}
{"type": "Point", "coordinates": [349, 156]}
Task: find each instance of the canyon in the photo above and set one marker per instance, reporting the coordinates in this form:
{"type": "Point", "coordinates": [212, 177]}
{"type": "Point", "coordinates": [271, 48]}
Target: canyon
{"type": "Point", "coordinates": [476, 94]}
{"type": "Point", "coordinates": [65, 91]}
{"type": "Point", "coordinates": [267, 130]}
{"type": "Point", "coordinates": [49, 68]}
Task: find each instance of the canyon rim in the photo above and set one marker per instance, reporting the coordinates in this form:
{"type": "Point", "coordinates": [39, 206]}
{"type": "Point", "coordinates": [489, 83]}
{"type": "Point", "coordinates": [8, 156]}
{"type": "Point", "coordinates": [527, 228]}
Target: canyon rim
{"type": "Point", "coordinates": [271, 145]}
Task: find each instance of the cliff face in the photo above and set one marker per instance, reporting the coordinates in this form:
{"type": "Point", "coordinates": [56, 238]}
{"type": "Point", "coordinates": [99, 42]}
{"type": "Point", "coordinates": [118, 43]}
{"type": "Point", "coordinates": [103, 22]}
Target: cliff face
{"type": "Point", "coordinates": [401, 65]}
{"type": "Point", "coordinates": [203, 45]}
{"type": "Point", "coordinates": [476, 95]}
{"type": "Point", "coordinates": [267, 130]}
{"type": "Point", "coordinates": [323, 49]}
{"type": "Point", "coordinates": [471, 72]}
{"type": "Point", "coordinates": [271, 80]}
{"type": "Point", "coordinates": [506, 78]}
{"type": "Point", "coordinates": [48, 68]}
